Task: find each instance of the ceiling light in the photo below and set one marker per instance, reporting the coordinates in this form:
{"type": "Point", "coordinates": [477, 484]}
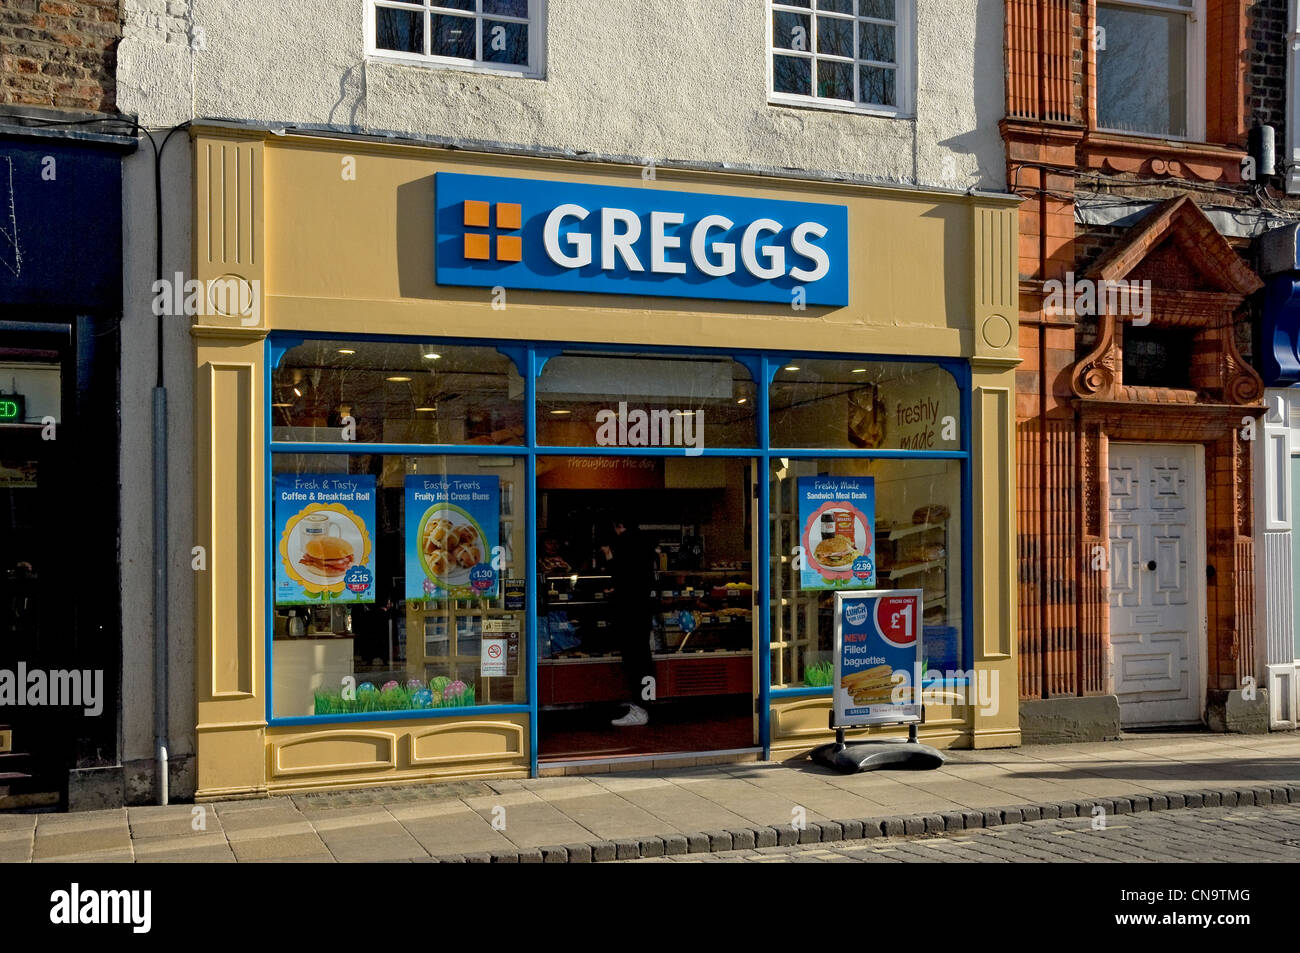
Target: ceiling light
{"type": "Point", "coordinates": [281, 404]}
{"type": "Point", "coordinates": [859, 370]}
{"type": "Point", "coordinates": [560, 413]}
{"type": "Point", "coordinates": [346, 350]}
{"type": "Point", "coordinates": [426, 410]}
{"type": "Point", "coordinates": [431, 356]}
{"type": "Point", "coordinates": [742, 400]}
{"type": "Point", "coordinates": [398, 379]}
{"type": "Point", "coordinates": [791, 367]}
{"type": "Point", "coordinates": [297, 392]}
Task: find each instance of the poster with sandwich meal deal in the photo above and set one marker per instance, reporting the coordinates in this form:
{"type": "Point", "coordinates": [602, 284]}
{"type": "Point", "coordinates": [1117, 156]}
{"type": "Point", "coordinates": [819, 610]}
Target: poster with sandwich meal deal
{"type": "Point", "coordinates": [453, 524]}
{"type": "Point", "coordinates": [877, 656]}
{"type": "Point", "coordinates": [837, 518]}
{"type": "Point", "coordinates": [324, 526]}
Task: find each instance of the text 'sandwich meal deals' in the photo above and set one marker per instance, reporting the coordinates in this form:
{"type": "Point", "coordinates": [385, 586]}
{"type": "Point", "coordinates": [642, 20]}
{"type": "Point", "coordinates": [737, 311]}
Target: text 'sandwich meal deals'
{"type": "Point", "coordinates": [328, 555]}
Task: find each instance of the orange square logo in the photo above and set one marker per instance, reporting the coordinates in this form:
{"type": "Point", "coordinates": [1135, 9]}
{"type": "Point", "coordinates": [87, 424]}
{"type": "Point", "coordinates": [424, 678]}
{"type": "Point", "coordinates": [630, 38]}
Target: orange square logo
{"type": "Point", "coordinates": [476, 247]}
{"type": "Point", "coordinates": [509, 215]}
{"type": "Point", "coordinates": [476, 214]}
{"type": "Point", "coordinates": [510, 248]}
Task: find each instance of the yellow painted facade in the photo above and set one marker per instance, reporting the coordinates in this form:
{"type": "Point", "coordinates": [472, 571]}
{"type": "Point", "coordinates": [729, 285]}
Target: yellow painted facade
{"type": "Point", "coordinates": [930, 274]}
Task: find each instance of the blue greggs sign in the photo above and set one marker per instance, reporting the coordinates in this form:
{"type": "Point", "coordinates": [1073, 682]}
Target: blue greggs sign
{"type": "Point", "coordinates": [565, 236]}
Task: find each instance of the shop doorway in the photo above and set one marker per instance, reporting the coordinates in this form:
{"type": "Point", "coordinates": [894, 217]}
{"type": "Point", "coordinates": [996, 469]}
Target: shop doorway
{"type": "Point", "coordinates": [679, 641]}
{"type": "Point", "coordinates": [34, 615]}
{"type": "Point", "coordinates": [1156, 583]}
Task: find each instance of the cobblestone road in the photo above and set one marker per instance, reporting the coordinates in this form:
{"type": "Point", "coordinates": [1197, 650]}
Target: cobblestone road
{"type": "Point", "coordinates": [1220, 835]}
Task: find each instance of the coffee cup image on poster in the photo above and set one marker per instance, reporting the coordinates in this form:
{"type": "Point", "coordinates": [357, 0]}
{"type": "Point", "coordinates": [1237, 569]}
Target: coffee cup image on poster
{"type": "Point", "coordinates": [453, 525]}
{"type": "Point", "coordinates": [324, 525]}
{"type": "Point", "coordinates": [877, 649]}
{"type": "Point", "coordinates": [837, 532]}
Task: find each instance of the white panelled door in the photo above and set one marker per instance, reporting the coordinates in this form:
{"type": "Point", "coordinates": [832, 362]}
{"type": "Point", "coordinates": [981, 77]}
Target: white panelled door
{"type": "Point", "coordinates": [1154, 629]}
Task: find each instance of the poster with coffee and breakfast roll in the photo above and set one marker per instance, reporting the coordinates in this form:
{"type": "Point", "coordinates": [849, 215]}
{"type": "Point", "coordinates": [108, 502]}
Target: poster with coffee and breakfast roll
{"type": "Point", "coordinates": [877, 653]}
{"type": "Point", "coordinates": [324, 525]}
{"type": "Point", "coordinates": [453, 525]}
{"type": "Point", "coordinates": [836, 519]}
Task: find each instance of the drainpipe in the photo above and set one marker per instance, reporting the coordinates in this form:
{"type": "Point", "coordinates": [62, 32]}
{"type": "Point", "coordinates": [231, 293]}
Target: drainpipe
{"type": "Point", "coordinates": [160, 524]}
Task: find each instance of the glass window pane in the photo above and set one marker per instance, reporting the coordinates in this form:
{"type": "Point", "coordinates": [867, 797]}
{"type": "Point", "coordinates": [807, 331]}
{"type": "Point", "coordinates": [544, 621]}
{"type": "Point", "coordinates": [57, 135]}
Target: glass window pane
{"type": "Point", "coordinates": [397, 392]}
{"type": "Point", "coordinates": [865, 405]}
{"type": "Point", "coordinates": [876, 42]}
{"type": "Point", "coordinates": [505, 8]}
{"type": "Point", "coordinates": [880, 9]}
{"type": "Point", "coordinates": [454, 4]}
{"type": "Point", "coordinates": [792, 74]}
{"type": "Point", "coordinates": [877, 85]}
{"type": "Point", "coordinates": [835, 36]}
{"type": "Point", "coordinates": [417, 638]}
{"type": "Point", "coordinates": [790, 31]}
{"type": "Point", "coordinates": [452, 36]}
{"type": "Point", "coordinates": [836, 6]}
{"type": "Point", "coordinates": [645, 400]}
{"type": "Point", "coordinates": [1142, 71]}
{"type": "Point", "coordinates": [399, 30]}
{"type": "Point", "coordinates": [834, 80]}
{"type": "Point", "coordinates": [914, 541]}
{"type": "Point", "coordinates": [505, 42]}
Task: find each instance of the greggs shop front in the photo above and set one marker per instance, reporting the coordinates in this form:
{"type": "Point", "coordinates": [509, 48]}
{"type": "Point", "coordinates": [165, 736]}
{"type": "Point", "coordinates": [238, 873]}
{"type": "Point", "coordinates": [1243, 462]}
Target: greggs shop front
{"type": "Point", "coordinates": [511, 466]}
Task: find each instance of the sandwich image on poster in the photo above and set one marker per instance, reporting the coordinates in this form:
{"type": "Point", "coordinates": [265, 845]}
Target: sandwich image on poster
{"type": "Point", "coordinates": [325, 528]}
{"type": "Point", "coordinates": [877, 648]}
{"type": "Point", "coordinates": [453, 526]}
{"type": "Point", "coordinates": [836, 520]}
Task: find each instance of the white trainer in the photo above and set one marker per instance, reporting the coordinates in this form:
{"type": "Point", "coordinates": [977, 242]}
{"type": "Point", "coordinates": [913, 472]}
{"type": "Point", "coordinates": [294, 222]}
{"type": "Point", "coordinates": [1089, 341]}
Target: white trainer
{"type": "Point", "coordinates": [636, 715]}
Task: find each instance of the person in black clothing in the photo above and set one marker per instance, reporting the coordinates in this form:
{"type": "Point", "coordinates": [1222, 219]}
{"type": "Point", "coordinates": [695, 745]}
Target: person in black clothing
{"type": "Point", "coordinates": [629, 559]}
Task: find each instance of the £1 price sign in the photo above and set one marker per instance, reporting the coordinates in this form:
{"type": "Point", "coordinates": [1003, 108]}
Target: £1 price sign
{"type": "Point", "coordinates": [877, 656]}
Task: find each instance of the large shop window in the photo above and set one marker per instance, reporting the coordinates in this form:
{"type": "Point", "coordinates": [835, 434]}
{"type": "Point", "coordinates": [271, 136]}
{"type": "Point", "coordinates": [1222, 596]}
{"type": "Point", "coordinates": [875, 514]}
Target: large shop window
{"type": "Point", "coordinates": [402, 477]}
{"type": "Point", "coordinates": [857, 521]}
{"type": "Point", "coordinates": [397, 584]}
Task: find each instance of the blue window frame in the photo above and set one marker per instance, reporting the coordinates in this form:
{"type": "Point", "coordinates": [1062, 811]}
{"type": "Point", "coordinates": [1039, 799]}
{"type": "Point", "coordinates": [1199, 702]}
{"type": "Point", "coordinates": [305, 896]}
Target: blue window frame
{"type": "Point", "coordinates": [530, 360]}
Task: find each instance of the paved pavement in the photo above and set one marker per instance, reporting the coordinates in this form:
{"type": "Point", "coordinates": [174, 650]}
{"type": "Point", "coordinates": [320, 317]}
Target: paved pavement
{"type": "Point", "coordinates": [1210, 835]}
{"type": "Point", "coordinates": [643, 813]}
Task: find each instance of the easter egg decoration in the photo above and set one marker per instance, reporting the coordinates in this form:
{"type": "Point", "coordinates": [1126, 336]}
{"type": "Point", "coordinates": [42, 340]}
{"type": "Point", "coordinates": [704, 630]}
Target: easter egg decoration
{"type": "Point", "coordinates": [414, 684]}
{"type": "Point", "coordinates": [365, 687]}
{"type": "Point", "coordinates": [422, 698]}
{"type": "Point", "coordinates": [439, 682]}
{"type": "Point", "coordinates": [455, 689]}
{"type": "Point", "coordinates": [389, 686]}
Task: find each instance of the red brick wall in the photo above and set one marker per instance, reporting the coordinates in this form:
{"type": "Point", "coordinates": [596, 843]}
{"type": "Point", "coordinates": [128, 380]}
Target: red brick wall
{"type": "Point", "coordinates": [59, 54]}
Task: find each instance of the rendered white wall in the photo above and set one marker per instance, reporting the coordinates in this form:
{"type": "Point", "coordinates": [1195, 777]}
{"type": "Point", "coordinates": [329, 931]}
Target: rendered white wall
{"type": "Point", "coordinates": [652, 79]}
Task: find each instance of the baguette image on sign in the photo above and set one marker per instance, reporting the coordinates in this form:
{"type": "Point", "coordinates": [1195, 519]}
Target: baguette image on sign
{"type": "Point", "coordinates": [877, 649]}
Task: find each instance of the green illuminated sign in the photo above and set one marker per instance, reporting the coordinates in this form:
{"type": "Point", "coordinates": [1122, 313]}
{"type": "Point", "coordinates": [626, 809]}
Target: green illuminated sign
{"type": "Point", "coordinates": [12, 408]}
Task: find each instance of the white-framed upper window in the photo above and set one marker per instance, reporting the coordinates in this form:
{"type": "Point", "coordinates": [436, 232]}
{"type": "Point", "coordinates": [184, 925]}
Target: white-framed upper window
{"type": "Point", "coordinates": [844, 54]}
{"type": "Point", "coordinates": [1151, 67]}
{"type": "Point", "coordinates": [495, 35]}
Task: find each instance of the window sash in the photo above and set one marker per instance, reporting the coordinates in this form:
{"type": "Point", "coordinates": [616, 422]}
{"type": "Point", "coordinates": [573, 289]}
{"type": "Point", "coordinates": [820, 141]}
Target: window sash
{"type": "Point", "coordinates": [427, 9]}
{"type": "Point", "coordinates": [900, 65]}
{"type": "Point", "coordinates": [1195, 78]}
